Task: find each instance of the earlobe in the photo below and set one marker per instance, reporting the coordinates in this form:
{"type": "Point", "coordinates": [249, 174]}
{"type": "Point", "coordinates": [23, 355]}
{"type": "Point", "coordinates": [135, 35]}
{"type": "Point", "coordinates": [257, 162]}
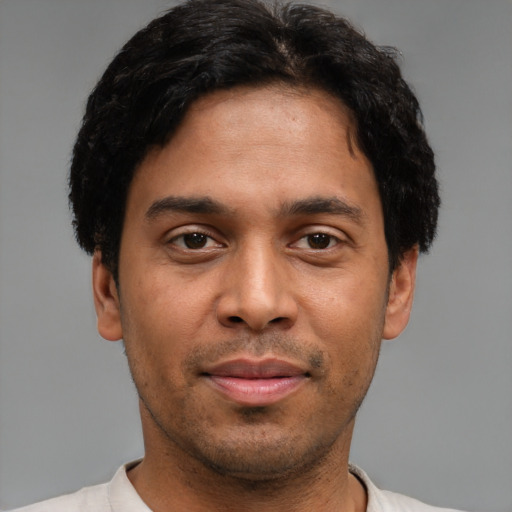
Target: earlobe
{"type": "Point", "coordinates": [401, 295]}
{"type": "Point", "coordinates": [106, 300]}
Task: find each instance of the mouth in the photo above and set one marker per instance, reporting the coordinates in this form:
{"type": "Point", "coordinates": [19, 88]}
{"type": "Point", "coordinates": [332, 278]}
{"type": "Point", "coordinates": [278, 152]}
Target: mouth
{"type": "Point", "coordinates": [256, 383]}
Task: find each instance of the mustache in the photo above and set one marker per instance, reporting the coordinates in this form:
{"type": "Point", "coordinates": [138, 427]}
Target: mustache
{"type": "Point", "coordinates": [276, 345]}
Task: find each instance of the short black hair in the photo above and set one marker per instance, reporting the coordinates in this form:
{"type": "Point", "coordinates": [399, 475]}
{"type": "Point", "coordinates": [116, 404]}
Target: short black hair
{"type": "Point", "coordinates": [202, 46]}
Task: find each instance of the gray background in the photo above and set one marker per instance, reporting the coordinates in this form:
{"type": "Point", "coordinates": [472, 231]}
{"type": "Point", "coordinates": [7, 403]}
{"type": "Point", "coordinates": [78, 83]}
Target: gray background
{"type": "Point", "coordinates": [437, 423]}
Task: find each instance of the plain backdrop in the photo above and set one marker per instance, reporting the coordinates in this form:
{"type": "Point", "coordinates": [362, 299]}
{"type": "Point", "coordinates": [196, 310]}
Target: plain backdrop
{"type": "Point", "coordinates": [437, 423]}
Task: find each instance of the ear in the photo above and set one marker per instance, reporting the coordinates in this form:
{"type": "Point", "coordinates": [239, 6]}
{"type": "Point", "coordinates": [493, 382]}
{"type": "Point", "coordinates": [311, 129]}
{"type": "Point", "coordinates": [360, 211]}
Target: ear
{"type": "Point", "coordinates": [106, 300]}
{"type": "Point", "coordinates": [401, 294]}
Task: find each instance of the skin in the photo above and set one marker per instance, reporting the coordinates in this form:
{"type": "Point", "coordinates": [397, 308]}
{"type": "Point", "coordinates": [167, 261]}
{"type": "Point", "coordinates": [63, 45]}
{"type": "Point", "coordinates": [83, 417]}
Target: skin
{"type": "Point", "coordinates": [291, 263]}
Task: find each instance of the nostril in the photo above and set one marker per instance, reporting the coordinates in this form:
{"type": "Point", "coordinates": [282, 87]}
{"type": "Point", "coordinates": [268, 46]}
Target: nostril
{"type": "Point", "coordinates": [277, 320]}
{"type": "Point", "coordinates": [235, 319]}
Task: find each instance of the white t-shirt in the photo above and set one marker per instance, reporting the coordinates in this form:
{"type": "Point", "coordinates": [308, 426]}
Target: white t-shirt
{"type": "Point", "coordinates": [119, 495]}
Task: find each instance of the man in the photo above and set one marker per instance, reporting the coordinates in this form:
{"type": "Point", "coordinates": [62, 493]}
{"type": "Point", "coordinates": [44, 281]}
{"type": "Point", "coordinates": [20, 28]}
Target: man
{"type": "Point", "coordinates": [255, 186]}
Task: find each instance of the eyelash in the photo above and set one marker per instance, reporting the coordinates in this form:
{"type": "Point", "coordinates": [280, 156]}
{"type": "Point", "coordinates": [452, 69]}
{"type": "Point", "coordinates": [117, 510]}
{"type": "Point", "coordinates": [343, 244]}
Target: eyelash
{"type": "Point", "coordinates": [192, 233]}
{"type": "Point", "coordinates": [322, 237]}
{"type": "Point", "coordinates": [207, 238]}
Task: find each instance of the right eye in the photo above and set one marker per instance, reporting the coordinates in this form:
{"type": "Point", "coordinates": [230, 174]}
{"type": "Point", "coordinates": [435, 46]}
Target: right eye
{"type": "Point", "coordinates": [194, 241]}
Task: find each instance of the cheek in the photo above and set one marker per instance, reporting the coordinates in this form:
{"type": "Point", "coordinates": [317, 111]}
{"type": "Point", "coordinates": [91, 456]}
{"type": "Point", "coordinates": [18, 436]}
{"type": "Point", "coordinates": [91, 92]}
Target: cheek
{"type": "Point", "coordinates": [162, 323]}
{"type": "Point", "coordinates": [169, 307]}
{"type": "Point", "coordinates": [350, 306]}
{"type": "Point", "coordinates": [348, 319]}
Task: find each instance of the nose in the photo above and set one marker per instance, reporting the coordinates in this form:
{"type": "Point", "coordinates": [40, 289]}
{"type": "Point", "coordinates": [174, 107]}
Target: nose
{"type": "Point", "coordinates": [257, 292]}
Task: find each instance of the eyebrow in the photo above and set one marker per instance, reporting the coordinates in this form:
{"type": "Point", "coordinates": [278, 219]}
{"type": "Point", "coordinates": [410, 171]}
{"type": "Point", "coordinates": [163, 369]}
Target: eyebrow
{"type": "Point", "coordinates": [318, 205]}
{"type": "Point", "coordinates": [204, 205]}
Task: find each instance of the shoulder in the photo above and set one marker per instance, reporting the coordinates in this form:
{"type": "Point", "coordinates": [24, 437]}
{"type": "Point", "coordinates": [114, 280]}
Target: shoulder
{"type": "Point", "coordinates": [387, 501]}
{"type": "Point", "coordinates": [89, 498]}
{"type": "Point", "coordinates": [400, 503]}
{"type": "Point", "coordinates": [118, 495]}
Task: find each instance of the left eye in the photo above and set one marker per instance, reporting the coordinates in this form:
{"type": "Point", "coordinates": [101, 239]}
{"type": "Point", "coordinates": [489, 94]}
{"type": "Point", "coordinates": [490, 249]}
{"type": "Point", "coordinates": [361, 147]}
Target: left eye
{"type": "Point", "coordinates": [194, 241]}
{"type": "Point", "coordinates": [317, 241]}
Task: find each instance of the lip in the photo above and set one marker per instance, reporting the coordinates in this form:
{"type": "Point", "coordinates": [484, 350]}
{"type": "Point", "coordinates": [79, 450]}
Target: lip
{"type": "Point", "coordinates": [256, 383]}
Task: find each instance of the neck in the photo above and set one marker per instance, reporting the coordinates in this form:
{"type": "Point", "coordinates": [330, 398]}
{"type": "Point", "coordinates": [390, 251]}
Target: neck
{"type": "Point", "coordinates": [169, 479]}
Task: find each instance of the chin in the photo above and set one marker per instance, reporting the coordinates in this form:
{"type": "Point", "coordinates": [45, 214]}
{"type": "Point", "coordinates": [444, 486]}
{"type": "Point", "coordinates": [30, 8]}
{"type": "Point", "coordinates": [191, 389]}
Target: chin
{"type": "Point", "coordinates": [262, 458]}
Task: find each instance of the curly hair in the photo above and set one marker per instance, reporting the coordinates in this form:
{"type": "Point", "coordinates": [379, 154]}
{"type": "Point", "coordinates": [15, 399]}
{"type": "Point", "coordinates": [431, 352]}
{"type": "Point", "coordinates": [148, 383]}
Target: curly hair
{"type": "Point", "coordinates": [202, 46]}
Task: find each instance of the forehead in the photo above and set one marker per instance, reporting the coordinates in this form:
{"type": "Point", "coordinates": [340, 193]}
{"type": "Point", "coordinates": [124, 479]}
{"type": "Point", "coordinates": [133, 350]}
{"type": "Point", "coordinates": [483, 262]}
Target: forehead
{"type": "Point", "coordinates": [269, 107]}
{"type": "Point", "coordinates": [279, 114]}
{"type": "Point", "coordinates": [271, 142]}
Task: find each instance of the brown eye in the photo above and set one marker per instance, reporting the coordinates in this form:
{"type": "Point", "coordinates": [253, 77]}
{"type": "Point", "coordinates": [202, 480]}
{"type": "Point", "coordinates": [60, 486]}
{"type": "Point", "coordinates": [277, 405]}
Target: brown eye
{"type": "Point", "coordinates": [195, 240]}
{"type": "Point", "coordinates": [319, 241]}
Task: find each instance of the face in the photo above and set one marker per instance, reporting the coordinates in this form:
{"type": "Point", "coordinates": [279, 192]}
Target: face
{"type": "Point", "coordinates": [254, 287]}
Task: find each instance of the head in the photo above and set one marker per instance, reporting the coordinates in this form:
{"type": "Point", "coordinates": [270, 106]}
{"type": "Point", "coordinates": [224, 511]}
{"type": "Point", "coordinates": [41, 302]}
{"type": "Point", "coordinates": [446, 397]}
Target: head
{"type": "Point", "coordinates": [204, 46]}
{"type": "Point", "coordinates": [255, 185]}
